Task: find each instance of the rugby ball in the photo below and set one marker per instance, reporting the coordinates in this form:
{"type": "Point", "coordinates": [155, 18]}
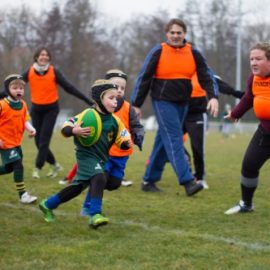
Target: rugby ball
{"type": "Point", "coordinates": [90, 118]}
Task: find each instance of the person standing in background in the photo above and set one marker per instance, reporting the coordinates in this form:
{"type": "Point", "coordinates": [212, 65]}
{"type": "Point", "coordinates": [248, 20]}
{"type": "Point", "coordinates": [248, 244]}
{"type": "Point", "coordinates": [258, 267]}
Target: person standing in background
{"type": "Point", "coordinates": [196, 122]}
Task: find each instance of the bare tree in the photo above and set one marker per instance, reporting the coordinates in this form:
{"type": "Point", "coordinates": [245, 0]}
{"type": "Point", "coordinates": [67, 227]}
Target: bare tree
{"type": "Point", "coordinates": [84, 46]}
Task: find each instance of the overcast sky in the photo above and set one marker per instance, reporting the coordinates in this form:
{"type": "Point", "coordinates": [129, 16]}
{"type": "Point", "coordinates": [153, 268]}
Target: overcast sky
{"type": "Point", "coordinates": [124, 9]}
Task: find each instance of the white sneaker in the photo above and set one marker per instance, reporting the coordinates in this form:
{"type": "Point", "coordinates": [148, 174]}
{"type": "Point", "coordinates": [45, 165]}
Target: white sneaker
{"type": "Point", "coordinates": [63, 182]}
{"type": "Point", "coordinates": [35, 173]}
{"type": "Point", "coordinates": [27, 198]}
{"type": "Point", "coordinates": [54, 170]}
{"type": "Point", "coordinates": [239, 208]}
{"type": "Point", "coordinates": [126, 183]}
{"type": "Point", "coordinates": [203, 183]}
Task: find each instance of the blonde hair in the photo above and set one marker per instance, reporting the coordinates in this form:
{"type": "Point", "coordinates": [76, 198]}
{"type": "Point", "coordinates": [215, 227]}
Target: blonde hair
{"type": "Point", "coordinates": [19, 82]}
{"type": "Point", "coordinates": [263, 46]}
{"type": "Point", "coordinates": [102, 83]}
{"type": "Point", "coordinates": [13, 79]}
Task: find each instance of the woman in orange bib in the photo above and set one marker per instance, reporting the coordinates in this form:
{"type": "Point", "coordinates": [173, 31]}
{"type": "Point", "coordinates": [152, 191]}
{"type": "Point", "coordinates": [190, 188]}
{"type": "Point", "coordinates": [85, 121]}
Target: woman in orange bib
{"type": "Point", "coordinates": [258, 152]}
{"type": "Point", "coordinates": [43, 79]}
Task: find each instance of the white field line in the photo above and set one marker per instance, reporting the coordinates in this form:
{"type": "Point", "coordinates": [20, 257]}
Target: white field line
{"type": "Point", "coordinates": [204, 236]}
{"type": "Point", "coordinates": [177, 232]}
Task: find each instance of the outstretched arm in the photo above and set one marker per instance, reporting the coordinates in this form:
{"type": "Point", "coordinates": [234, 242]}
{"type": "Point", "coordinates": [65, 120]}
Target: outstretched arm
{"type": "Point", "coordinates": [70, 88]}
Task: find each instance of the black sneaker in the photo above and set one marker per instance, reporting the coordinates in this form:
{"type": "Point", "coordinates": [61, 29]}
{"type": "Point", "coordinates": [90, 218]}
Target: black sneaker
{"type": "Point", "coordinates": [150, 187]}
{"type": "Point", "coordinates": [192, 188]}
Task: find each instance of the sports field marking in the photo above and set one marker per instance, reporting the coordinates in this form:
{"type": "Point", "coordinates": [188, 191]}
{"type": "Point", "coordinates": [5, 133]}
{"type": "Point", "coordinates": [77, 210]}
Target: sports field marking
{"type": "Point", "coordinates": [204, 236]}
{"type": "Point", "coordinates": [183, 233]}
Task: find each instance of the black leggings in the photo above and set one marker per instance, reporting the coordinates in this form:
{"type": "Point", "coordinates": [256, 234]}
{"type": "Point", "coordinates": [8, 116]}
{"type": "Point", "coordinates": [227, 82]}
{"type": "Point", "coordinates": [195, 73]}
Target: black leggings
{"type": "Point", "coordinates": [96, 184]}
{"type": "Point", "coordinates": [44, 121]}
{"type": "Point", "coordinates": [195, 125]}
{"type": "Point", "coordinates": [257, 153]}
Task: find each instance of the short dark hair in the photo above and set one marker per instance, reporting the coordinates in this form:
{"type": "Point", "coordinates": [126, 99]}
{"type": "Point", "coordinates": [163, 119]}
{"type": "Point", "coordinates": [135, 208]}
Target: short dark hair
{"type": "Point", "coordinates": [38, 52]}
{"type": "Point", "coordinates": [175, 21]}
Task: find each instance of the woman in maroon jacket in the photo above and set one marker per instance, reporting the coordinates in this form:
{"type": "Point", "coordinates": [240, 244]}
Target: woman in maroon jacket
{"type": "Point", "coordinates": [258, 152]}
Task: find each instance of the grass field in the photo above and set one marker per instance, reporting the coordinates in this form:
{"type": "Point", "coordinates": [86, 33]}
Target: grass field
{"type": "Point", "coordinates": [166, 230]}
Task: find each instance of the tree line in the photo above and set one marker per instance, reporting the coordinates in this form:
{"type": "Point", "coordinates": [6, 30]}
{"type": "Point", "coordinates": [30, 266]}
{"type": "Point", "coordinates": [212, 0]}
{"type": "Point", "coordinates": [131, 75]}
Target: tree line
{"type": "Point", "coordinates": [84, 45]}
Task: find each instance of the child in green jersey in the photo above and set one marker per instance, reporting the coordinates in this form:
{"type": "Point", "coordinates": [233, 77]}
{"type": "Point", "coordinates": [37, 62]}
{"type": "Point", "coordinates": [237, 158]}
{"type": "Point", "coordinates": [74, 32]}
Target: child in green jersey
{"type": "Point", "coordinates": [91, 160]}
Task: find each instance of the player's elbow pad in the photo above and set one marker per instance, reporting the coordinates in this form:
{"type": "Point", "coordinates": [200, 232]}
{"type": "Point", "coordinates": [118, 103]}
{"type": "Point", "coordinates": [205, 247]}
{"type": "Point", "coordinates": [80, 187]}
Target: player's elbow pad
{"type": "Point", "coordinates": [125, 145]}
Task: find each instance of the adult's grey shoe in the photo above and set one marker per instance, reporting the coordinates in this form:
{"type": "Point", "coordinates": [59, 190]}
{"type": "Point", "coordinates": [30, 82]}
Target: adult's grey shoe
{"type": "Point", "coordinates": [192, 188]}
{"type": "Point", "coordinates": [150, 187]}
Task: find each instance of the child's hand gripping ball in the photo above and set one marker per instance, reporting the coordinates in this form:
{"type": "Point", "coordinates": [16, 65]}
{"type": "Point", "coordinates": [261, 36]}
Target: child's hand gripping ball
{"type": "Point", "coordinates": [90, 118]}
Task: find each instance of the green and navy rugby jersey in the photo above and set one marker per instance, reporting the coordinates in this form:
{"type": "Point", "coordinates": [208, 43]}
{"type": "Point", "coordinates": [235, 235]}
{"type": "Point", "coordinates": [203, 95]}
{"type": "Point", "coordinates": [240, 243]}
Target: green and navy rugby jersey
{"type": "Point", "coordinates": [113, 131]}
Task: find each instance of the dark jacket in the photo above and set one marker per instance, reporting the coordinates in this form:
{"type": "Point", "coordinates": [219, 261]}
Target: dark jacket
{"type": "Point", "coordinates": [174, 90]}
{"type": "Point", "coordinates": [199, 104]}
{"type": "Point", "coordinates": [65, 84]}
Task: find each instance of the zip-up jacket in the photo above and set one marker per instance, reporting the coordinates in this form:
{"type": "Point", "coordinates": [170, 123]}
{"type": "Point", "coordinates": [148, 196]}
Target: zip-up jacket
{"type": "Point", "coordinates": [167, 73]}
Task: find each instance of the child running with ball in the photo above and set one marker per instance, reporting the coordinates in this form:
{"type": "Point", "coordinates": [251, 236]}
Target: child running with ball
{"type": "Point", "coordinates": [91, 160]}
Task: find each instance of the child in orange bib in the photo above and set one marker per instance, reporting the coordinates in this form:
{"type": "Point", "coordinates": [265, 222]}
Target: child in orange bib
{"type": "Point", "coordinates": [13, 122]}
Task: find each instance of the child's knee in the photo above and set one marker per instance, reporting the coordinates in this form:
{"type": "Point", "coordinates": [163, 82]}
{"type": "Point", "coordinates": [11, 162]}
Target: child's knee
{"type": "Point", "coordinates": [113, 183]}
{"type": "Point", "coordinates": [9, 168]}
